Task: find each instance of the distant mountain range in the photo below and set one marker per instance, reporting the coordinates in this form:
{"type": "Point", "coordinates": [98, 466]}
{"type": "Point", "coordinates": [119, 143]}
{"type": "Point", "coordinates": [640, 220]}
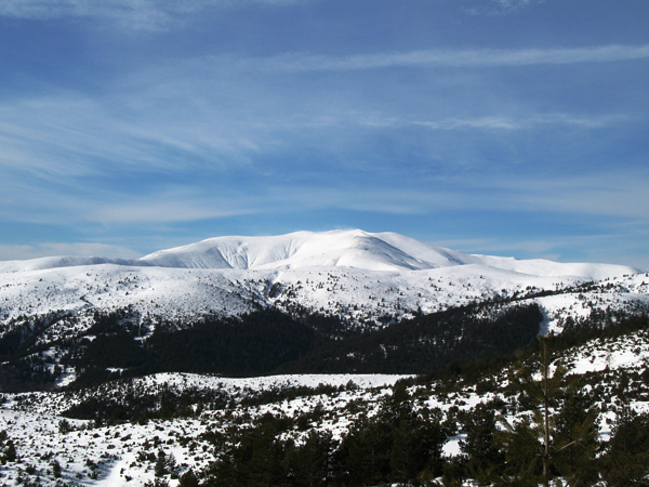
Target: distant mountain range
{"type": "Point", "coordinates": [351, 274]}
{"type": "Point", "coordinates": [360, 282]}
{"type": "Point", "coordinates": [351, 248]}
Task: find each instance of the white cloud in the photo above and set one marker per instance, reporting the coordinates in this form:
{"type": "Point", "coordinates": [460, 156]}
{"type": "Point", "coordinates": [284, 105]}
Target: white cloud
{"type": "Point", "coordinates": [48, 249]}
{"type": "Point", "coordinates": [441, 58]}
{"type": "Point", "coordinates": [171, 209]}
{"type": "Point", "coordinates": [500, 246]}
{"type": "Point", "coordinates": [499, 7]}
{"type": "Point", "coordinates": [534, 121]}
{"type": "Point", "coordinates": [130, 14]}
{"type": "Point", "coordinates": [208, 120]}
{"type": "Point", "coordinates": [610, 247]}
{"type": "Point", "coordinates": [619, 193]}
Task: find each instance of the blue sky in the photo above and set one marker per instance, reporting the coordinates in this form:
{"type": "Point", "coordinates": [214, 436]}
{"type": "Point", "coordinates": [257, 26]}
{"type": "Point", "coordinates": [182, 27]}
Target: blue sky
{"type": "Point", "coordinates": [507, 127]}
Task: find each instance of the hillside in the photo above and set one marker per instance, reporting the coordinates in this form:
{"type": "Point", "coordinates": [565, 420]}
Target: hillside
{"type": "Point", "coordinates": [343, 430]}
{"type": "Point", "coordinates": [352, 275]}
{"type": "Point", "coordinates": [339, 359]}
{"type": "Point", "coordinates": [339, 301]}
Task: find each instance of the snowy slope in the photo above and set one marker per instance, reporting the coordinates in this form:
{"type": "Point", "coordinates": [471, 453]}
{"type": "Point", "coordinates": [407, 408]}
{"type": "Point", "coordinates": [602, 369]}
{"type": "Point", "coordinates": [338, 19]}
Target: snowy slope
{"type": "Point", "coordinates": [353, 248]}
{"type": "Point", "coordinates": [357, 275]}
{"type": "Point", "coordinates": [13, 266]}
{"type": "Point", "coordinates": [353, 274]}
{"type": "Point", "coordinates": [112, 454]}
{"type": "Point", "coordinates": [357, 249]}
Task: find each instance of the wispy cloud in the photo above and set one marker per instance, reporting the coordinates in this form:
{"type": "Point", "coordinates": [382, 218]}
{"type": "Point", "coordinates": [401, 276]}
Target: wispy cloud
{"type": "Point", "coordinates": [495, 245]}
{"type": "Point", "coordinates": [498, 7]}
{"type": "Point", "coordinates": [456, 58]}
{"type": "Point", "coordinates": [130, 14]}
{"type": "Point", "coordinates": [610, 247]}
{"type": "Point", "coordinates": [70, 159]}
{"type": "Point", "coordinates": [46, 249]}
{"type": "Point", "coordinates": [618, 193]}
{"type": "Point", "coordinates": [534, 121]}
{"type": "Point", "coordinates": [175, 206]}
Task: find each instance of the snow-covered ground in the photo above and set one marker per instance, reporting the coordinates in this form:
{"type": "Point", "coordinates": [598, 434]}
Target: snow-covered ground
{"type": "Point", "coordinates": [350, 274]}
{"type": "Point", "coordinates": [124, 453]}
{"type": "Point", "coordinates": [119, 454]}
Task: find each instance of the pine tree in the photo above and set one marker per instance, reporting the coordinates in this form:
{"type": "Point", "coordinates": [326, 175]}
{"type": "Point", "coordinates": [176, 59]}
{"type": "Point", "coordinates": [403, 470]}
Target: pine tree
{"type": "Point", "coordinates": [56, 469]}
{"type": "Point", "coordinates": [171, 466]}
{"type": "Point", "coordinates": [188, 479]}
{"type": "Point", "coordinates": [482, 456]}
{"type": "Point", "coordinates": [627, 460]}
{"type": "Point", "coordinates": [576, 439]}
{"type": "Point", "coordinates": [160, 468]}
{"type": "Point", "coordinates": [530, 451]}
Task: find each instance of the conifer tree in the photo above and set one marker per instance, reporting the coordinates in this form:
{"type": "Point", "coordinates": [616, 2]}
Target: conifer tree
{"type": "Point", "coordinates": [627, 459]}
{"type": "Point", "coordinates": [528, 444]}
{"type": "Point", "coordinates": [188, 479]}
{"type": "Point", "coordinates": [557, 440]}
{"type": "Point", "coordinates": [482, 457]}
{"type": "Point", "coordinates": [576, 439]}
{"type": "Point", "coordinates": [160, 468]}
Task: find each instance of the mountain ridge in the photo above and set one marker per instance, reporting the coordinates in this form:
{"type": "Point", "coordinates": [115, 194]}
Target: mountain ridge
{"type": "Point", "coordinates": [110, 344]}
{"type": "Point", "coordinates": [385, 251]}
{"type": "Point", "coordinates": [352, 275]}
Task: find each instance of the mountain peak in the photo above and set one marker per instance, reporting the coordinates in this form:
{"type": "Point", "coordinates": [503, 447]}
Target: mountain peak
{"type": "Point", "coordinates": [355, 248]}
{"type": "Point", "coordinates": [338, 248]}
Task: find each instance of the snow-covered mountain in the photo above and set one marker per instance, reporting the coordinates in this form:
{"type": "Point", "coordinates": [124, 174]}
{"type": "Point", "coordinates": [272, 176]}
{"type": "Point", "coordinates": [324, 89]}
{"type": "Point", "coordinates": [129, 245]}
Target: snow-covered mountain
{"type": "Point", "coordinates": [355, 248]}
{"type": "Point", "coordinates": [52, 333]}
{"type": "Point", "coordinates": [355, 275]}
{"type": "Point", "coordinates": [351, 248]}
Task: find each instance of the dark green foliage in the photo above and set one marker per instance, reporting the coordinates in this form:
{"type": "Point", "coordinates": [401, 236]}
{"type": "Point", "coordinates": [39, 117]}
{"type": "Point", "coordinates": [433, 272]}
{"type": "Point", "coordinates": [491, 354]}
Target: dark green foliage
{"type": "Point", "coordinates": [157, 483]}
{"type": "Point", "coordinates": [254, 345]}
{"type": "Point", "coordinates": [257, 458]}
{"type": "Point", "coordinates": [575, 439]}
{"type": "Point", "coordinates": [120, 344]}
{"type": "Point", "coordinates": [7, 448]}
{"type": "Point", "coordinates": [558, 438]}
{"type": "Point", "coordinates": [313, 463]}
{"type": "Point", "coordinates": [523, 455]}
{"type": "Point", "coordinates": [600, 324]}
{"type": "Point", "coordinates": [23, 366]}
{"type": "Point", "coordinates": [482, 457]}
{"type": "Point", "coordinates": [269, 341]}
{"type": "Point", "coordinates": [127, 401]}
{"type": "Point", "coordinates": [398, 445]}
{"type": "Point", "coordinates": [56, 469]}
{"type": "Point", "coordinates": [22, 333]}
{"type": "Point", "coordinates": [427, 342]}
{"type": "Point", "coordinates": [606, 326]}
{"type": "Point", "coordinates": [188, 479]}
{"type": "Point", "coordinates": [64, 426]}
{"type": "Point", "coordinates": [278, 394]}
{"type": "Point", "coordinates": [626, 462]}
{"type": "Point", "coordinates": [160, 468]}
{"type": "Point", "coordinates": [108, 343]}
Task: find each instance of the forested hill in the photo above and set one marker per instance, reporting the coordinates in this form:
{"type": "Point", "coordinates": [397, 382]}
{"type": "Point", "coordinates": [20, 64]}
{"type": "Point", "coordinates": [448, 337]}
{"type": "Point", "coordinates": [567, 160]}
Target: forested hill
{"type": "Point", "coordinates": [338, 301]}
{"type": "Point", "coordinates": [365, 280]}
{"type": "Point", "coordinates": [480, 422]}
{"type": "Point", "coordinates": [264, 342]}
